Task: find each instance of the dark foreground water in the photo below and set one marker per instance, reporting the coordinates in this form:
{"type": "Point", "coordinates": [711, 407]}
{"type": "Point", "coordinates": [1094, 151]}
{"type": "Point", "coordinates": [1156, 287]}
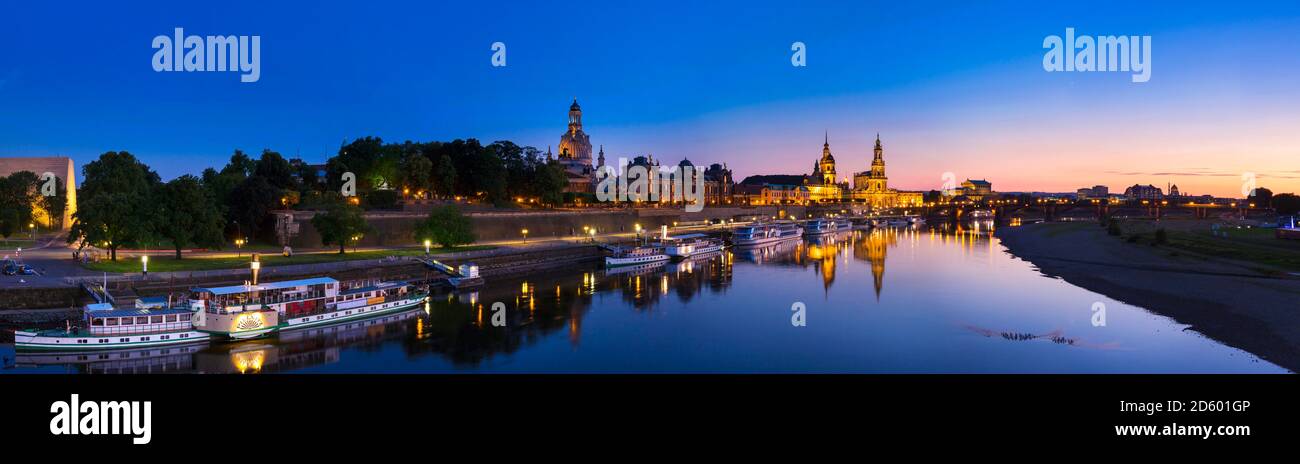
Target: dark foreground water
{"type": "Point", "coordinates": [882, 301]}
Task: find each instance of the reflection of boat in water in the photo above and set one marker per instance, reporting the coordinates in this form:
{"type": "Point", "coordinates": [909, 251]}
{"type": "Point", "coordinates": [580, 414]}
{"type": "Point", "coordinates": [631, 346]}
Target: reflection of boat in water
{"type": "Point", "coordinates": [766, 233]}
{"type": "Point", "coordinates": [122, 361]}
{"type": "Point", "coordinates": [767, 253]}
{"type": "Point", "coordinates": [690, 263]}
{"type": "Point", "coordinates": [637, 269]}
{"type": "Point", "coordinates": [637, 255]}
{"type": "Point", "coordinates": [980, 213]}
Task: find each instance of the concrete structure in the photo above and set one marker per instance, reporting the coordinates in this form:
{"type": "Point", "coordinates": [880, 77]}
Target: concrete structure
{"type": "Point", "coordinates": [60, 166]}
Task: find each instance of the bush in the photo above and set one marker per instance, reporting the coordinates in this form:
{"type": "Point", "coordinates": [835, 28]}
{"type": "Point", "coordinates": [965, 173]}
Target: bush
{"type": "Point", "coordinates": [1112, 228]}
{"type": "Point", "coordinates": [447, 227]}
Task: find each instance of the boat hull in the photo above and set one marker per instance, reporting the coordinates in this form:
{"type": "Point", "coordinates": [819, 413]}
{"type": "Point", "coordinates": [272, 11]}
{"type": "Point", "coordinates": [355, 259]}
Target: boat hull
{"type": "Point", "coordinates": [35, 341]}
{"type": "Point", "coordinates": [346, 315]}
{"type": "Point", "coordinates": [611, 261]}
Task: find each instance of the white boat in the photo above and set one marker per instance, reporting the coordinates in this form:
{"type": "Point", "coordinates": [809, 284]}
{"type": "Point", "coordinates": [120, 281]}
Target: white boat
{"type": "Point", "coordinates": [685, 246]}
{"type": "Point", "coordinates": [105, 327]}
{"type": "Point", "coordinates": [766, 233]}
{"type": "Point", "coordinates": [899, 222]}
{"type": "Point", "coordinates": [255, 310]}
{"type": "Point", "coordinates": [818, 226]}
{"type": "Point", "coordinates": [636, 255]}
{"type": "Point", "coordinates": [981, 213]}
{"type": "Point", "coordinates": [843, 224]}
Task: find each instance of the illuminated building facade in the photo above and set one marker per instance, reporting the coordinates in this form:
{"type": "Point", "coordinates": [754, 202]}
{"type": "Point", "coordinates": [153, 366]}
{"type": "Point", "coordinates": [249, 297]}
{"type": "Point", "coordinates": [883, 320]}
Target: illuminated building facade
{"type": "Point", "coordinates": [872, 186]}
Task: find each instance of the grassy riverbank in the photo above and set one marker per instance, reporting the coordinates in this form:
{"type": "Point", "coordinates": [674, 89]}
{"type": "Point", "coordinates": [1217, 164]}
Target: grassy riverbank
{"type": "Point", "coordinates": [169, 263]}
{"type": "Point", "coordinates": [1249, 245]}
{"type": "Point", "coordinates": [1237, 294]}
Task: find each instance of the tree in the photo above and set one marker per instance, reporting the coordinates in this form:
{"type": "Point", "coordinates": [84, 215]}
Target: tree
{"type": "Point", "coordinates": [18, 195]}
{"type": "Point", "coordinates": [1261, 197]}
{"type": "Point", "coordinates": [275, 170]}
{"type": "Point", "coordinates": [115, 204]}
{"type": "Point", "coordinates": [418, 171]}
{"type": "Point", "coordinates": [340, 224]}
{"type": "Point", "coordinates": [1286, 203]}
{"type": "Point", "coordinates": [445, 176]}
{"type": "Point", "coordinates": [189, 214]}
{"type": "Point", "coordinates": [549, 182]}
{"type": "Point", "coordinates": [447, 227]}
{"type": "Point", "coordinates": [251, 203]}
{"type": "Point", "coordinates": [55, 205]}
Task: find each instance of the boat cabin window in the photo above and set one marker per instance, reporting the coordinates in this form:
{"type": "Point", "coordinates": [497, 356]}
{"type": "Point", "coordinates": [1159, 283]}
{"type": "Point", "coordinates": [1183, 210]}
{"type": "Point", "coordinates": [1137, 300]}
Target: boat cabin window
{"type": "Point", "coordinates": [141, 320]}
{"type": "Point", "coordinates": [156, 319]}
{"type": "Point", "coordinates": [97, 321]}
{"type": "Point", "coordinates": [127, 321]}
{"type": "Point", "coordinates": [172, 318]}
{"type": "Point", "coordinates": [110, 321]}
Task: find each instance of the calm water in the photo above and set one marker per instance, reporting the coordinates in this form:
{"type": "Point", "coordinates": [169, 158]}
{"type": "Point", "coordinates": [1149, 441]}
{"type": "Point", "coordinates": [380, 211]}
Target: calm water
{"type": "Point", "coordinates": [889, 301]}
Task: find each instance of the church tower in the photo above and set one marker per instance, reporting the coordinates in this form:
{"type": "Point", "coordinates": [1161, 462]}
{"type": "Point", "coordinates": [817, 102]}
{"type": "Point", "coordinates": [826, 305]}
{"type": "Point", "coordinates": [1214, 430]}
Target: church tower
{"type": "Point", "coordinates": [574, 144]}
{"type": "Point", "coordinates": [877, 182]}
{"type": "Point", "coordinates": [826, 166]}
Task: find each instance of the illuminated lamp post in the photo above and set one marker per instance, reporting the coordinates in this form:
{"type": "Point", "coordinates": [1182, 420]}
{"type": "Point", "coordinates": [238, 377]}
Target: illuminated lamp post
{"type": "Point", "coordinates": [426, 246]}
{"type": "Point", "coordinates": [525, 232]}
{"type": "Point", "coordinates": [144, 264]}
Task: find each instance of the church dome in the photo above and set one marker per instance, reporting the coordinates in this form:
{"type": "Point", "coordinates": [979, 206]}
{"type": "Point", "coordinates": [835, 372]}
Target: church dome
{"type": "Point", "coordinates": [574, 106]}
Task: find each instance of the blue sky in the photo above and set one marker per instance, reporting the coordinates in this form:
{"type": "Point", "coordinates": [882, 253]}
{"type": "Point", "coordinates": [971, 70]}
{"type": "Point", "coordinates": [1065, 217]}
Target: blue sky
{"type": "Point", "coordinates": [952, 87]}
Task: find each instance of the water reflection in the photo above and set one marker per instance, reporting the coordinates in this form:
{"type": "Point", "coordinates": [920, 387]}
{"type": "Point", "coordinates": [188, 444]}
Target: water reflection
{"type": "Point", "coordinates": [729, 312]}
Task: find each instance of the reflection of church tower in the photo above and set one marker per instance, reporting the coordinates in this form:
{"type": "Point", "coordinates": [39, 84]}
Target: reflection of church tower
{"type": "Point", "coordinates": [873, 250]}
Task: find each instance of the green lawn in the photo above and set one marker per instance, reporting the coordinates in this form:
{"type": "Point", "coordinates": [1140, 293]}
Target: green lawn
{"type": "Point", "coordinates": [1254, 245]}
{"type": "Point", "coordinates": [169, 263]}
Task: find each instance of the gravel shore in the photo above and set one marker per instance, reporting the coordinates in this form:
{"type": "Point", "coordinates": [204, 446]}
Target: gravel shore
{"type": "Point", "coordinates": [1233, 303]}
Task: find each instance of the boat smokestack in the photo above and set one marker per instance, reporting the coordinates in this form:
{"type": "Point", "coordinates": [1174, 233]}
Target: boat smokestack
{"type": "Point", "coordinates": [255, 266]}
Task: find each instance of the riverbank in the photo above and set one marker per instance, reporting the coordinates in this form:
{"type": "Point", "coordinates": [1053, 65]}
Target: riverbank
{"type": "Point", "coordinates": [1238, 303]}
{"type": "Point", "coordinates": [494, 262]}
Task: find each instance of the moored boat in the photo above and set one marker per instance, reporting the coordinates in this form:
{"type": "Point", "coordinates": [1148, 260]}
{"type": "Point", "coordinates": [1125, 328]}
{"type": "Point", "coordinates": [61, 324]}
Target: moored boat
{"type": "Point", "coordinates": [818, 226]}
{"type": "Point", "coordinates": [104, 327]}
{"type": "Point", "coordinates": [251, 311]}
{"type": "Point", "coordinates": [766, 233]}
{"type": "Point", "coordinates": [685, 246]}
{"type": "Point", "coordinates": [636, 255]}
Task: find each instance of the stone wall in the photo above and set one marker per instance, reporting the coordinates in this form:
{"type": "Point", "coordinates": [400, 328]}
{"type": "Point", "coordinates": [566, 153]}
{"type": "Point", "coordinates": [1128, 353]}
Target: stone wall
{"type": "Point", "coordinates": [395, 229]}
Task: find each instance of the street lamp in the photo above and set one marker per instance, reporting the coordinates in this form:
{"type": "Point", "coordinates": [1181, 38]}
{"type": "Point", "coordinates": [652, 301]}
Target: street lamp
{"type": "Point", "coordinates": [525, 231]}
{"type": "Point", "coordinates": [239, 247]}
{"type": "Point", "coordinates": [426, 246]}
{"type": "Point", "coordinates": [32, 227]}
{"type": "Point", "coordinates": [144, 263]}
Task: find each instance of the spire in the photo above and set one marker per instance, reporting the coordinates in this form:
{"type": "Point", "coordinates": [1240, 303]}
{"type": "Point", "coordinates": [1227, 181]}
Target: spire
{"type": "Point", "coordinates": [828, 139]}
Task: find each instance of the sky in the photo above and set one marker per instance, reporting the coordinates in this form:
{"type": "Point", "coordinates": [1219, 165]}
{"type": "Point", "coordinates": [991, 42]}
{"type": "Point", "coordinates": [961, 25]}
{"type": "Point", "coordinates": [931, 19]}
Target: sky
{"type": "Point", "coordinates": [951, 87]}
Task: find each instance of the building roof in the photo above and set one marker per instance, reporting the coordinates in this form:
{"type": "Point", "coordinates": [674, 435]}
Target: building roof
{"type": "Point", "coordinates": [133, 312]}
{"type": "Point", "coordinates": [370, 288]}
{"type": "Point", "coordinates": [266, 286]}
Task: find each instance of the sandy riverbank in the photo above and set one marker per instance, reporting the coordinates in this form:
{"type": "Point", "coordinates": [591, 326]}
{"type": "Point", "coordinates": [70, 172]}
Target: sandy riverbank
{"type": "Point", "coordinates": [1234, 303]}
